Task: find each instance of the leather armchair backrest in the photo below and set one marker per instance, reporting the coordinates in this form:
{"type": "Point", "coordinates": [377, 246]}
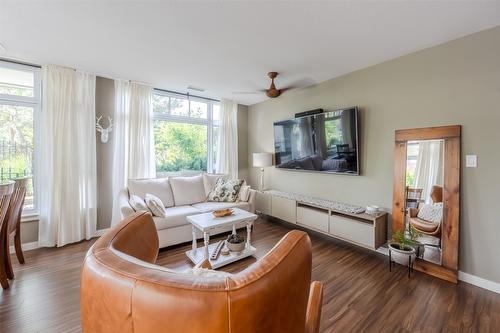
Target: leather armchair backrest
{"type": "Point", "coordinates": [123, 291]}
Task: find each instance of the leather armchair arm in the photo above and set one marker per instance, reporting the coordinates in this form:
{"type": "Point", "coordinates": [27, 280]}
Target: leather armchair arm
{"type": "Point", "coordinates": [313, 315]}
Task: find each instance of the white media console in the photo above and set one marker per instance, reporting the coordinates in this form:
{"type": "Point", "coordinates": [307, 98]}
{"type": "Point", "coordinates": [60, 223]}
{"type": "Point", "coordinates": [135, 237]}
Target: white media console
{"type": "Point", "coordinates": [335, 219]}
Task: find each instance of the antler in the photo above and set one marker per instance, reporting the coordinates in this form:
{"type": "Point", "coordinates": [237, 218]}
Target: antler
{"type": "Point", "coordinates": [98, 126]}
{"type": "Point", "coordinates": [110, 127]}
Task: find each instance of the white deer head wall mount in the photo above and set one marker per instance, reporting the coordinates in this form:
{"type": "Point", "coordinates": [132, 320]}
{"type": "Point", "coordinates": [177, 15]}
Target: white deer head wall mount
{"type": "Point", "coordinates": [104, 131]}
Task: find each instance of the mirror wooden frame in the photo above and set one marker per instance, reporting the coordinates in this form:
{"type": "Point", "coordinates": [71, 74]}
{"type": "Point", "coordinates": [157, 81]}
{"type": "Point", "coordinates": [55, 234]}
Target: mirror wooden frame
{"type": "Point", "coordinates": [448, 270]}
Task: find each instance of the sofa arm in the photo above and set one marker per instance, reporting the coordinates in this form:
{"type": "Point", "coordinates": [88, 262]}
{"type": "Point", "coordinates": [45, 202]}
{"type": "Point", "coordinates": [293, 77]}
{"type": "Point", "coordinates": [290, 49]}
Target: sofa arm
{"type": "Point", "coordinates": [251, 200]}
{"type": "Point", "coordinates": [313, 315]}
{"type": "Point", "coordinates": [125, 208]}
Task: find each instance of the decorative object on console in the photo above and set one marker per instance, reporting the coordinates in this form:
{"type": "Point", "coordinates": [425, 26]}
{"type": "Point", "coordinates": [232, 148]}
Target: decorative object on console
{"type": "Point", "coordinates": [104, 131]}
{"type": "Point", "coordinates": [373, 210]}
{"type": "Point", "coordinates": [262, 160]}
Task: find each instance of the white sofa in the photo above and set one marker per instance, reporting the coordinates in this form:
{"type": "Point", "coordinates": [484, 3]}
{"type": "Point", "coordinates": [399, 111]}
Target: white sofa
{"type": "Point", "coordinates": [182, 196]}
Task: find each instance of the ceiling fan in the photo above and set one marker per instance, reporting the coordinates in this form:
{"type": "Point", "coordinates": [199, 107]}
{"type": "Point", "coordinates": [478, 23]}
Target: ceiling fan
{"type": "Point", "coordinates": [272, 91]}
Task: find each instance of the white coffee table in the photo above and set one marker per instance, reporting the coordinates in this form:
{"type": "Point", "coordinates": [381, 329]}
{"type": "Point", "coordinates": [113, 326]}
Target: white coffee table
{"type": "Point", "coordinates": [206, 223]}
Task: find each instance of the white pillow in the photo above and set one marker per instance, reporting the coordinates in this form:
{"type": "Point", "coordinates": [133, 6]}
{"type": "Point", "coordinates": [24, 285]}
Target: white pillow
{"type": "Point", "coordinates": [138, 203]}
{"type": "Point", "coordinates": [188, 190]}
{"type": "Point", "coordinates": [159, 187]}
{"type": "Point", "coordinates": [431, 212]}
{"type": "Point", "coordinates": [209, 181]}
{"type": "Point", "coordinates": [155, 205]}
{"type": "Point", "coordinates": [245, 193]}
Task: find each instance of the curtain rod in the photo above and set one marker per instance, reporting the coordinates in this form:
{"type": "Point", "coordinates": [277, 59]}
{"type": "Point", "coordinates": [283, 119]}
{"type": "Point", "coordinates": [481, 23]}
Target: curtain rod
{"type": "Point", "coordinates": [158, 89]}
{"type": "Point", "coordinates": [20, 62]}
{"type": "Point", "coordinates": [187, 95]}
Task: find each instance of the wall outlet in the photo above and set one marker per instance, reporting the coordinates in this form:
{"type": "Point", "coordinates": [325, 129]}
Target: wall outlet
{"type": "Point", "coordinates": [471, 161]}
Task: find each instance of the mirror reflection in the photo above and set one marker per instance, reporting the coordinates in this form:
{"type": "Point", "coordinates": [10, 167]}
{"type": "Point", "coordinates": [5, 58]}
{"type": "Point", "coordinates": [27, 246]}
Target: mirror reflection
{"type": "Point", "coordinates": [424, 196]}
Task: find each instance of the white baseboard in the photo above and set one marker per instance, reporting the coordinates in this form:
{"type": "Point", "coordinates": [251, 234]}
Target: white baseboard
{"type": "Point", "coordinates": [100, 232]}
{"type": "Point", "coordinates": [25, 247]}
{"type": "Point", "coordinates": [34, 245]}
{"type": "Point", "coordinates": [479, 282]}
{"type": "Point", "coordinates": [465, 277]}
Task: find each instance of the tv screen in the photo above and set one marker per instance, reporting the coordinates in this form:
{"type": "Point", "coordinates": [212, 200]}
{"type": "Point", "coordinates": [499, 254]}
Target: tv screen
{"type": "Point", "coordinates": [325, 142]}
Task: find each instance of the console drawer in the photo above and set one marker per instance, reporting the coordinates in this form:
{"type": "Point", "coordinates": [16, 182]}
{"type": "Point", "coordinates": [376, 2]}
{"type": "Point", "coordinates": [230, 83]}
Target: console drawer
{"type": "Point", "coordinates": [313, 217]}
{"type": "Point", "coordinates": [352, 230]}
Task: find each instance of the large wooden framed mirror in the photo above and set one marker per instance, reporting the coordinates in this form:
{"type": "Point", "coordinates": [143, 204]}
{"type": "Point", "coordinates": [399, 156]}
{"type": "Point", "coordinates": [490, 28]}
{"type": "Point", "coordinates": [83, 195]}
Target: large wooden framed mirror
{"type": "Point", "coordinates": [426, 195]}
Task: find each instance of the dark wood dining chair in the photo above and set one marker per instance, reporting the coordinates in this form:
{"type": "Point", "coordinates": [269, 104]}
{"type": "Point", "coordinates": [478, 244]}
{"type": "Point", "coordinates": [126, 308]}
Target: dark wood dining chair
{"type": "Point", "coordinates": [14, 222]}
{"type": "Point", "coordinates": [6, 190]}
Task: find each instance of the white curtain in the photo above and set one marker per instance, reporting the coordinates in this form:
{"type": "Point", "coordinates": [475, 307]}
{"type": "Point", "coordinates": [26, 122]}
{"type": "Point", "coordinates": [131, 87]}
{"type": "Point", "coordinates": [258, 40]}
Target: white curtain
{"type": "Point", "coordinates": [67, 171]}
{"type": "Point", "coordinates": [133, 150]}
{"type": "Point", "coordinates": [429, 168]}
{"type": "Point", "coordinates": [227, 156]}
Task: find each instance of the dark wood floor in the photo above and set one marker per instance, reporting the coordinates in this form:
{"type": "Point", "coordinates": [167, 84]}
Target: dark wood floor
{"type": "Point", "coordinates": [361, 295]}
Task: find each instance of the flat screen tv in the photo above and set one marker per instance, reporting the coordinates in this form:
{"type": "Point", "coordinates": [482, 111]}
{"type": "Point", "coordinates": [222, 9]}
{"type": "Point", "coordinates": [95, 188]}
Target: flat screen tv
{"type": "Point", "coordinates": [323, 142]}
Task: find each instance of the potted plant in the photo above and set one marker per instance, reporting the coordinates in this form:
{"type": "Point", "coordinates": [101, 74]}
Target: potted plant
{"type": "Point", "coordinates": [402, 249]}
{"type": "Point", "coordinates": [235, 243]}
{"type": "Point", "coordinates": [413, 235]}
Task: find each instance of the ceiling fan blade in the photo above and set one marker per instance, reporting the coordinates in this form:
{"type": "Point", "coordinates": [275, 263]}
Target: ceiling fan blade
{"type": "Point", "coordinates": [302, 83]}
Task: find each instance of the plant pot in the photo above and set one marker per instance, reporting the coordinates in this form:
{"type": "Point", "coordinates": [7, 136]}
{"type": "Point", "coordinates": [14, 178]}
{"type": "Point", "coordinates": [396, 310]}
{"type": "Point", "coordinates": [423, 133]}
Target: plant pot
{"type": "Point", "coordinates": [401, 256]}
{"type": "Point", "coordinates": [236, 247]}
{"type": "Point", "coordinates": [419, 248]}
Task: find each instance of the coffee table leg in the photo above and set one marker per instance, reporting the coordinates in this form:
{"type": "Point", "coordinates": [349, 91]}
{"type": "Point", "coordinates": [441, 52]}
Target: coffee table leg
{"type": "Point", "coordinates": [249, 230]}
{"type": "Point", "coordinates": [234, 229]}
{"type": "Point", "coordinates": [194, 241]}
{"type": "Point", "coordinates": [206, 238]}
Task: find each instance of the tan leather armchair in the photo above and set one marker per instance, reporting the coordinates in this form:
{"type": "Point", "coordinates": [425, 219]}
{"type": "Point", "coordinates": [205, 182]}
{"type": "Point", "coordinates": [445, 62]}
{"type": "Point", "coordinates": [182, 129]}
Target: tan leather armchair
{"type": "Point", "coordinates": [123, 291]}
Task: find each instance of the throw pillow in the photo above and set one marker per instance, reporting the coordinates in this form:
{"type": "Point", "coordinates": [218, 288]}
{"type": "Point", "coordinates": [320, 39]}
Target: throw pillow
{"type": "Point", "coordinates": [155, 205]}
{"type": "Point", "coordinates": [245, 193]}
{"type": "Point", "coordinates": [188, 190]}
{"type": "Point", "coordinates": [226, 191]}
{"type": "Point", "coordinates": [209, 181]}
{"type": "Point", "coordinates": [431, 212]}
{"type": "Point", "coordinates": [156, 186]}
{"type": "Point", "coordinates": [137, 203]}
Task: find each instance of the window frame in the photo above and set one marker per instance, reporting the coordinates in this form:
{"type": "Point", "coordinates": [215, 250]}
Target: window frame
{"type": "Point", "coordinates": [208, 122]}
{"type": "Point", "coordinates": [36, 103]}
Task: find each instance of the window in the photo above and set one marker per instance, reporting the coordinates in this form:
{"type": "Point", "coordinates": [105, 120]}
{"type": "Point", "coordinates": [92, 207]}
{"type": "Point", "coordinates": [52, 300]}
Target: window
{"type": "Point", "coordinates": [19, 106]}
{"type": "Point", "coordinates": [411, 162]}
{"type": "Point", "coordinates": [185, 133]}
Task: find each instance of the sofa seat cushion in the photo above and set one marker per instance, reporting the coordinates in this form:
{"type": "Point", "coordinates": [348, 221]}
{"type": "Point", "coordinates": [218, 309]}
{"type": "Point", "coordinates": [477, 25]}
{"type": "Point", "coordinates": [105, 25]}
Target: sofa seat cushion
{"type": "Point", "coordinates": [211, 206]}
{"type": "Point", "coordinates": [188, 190]}
{"type": "Point", "coordinates": [175, 216]}
{"type": "Point", "coordinates": [159, 187]}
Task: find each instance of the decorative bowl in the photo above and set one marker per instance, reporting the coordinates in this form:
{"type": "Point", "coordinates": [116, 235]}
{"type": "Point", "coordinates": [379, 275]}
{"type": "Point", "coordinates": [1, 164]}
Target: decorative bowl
{"type": "Point", "coordinates": [223, 212]}
{"type": "Point", "coordinates": [235, 243]}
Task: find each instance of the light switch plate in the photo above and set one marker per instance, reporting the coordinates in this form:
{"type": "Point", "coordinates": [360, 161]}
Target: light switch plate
{"type": "Point", "coordinates": [471, 161]}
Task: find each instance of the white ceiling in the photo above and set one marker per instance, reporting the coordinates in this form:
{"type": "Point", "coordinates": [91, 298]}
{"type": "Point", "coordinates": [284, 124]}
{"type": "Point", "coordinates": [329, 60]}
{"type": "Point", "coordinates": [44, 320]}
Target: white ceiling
{"type": "Point", "coordinates": [228, 46]}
